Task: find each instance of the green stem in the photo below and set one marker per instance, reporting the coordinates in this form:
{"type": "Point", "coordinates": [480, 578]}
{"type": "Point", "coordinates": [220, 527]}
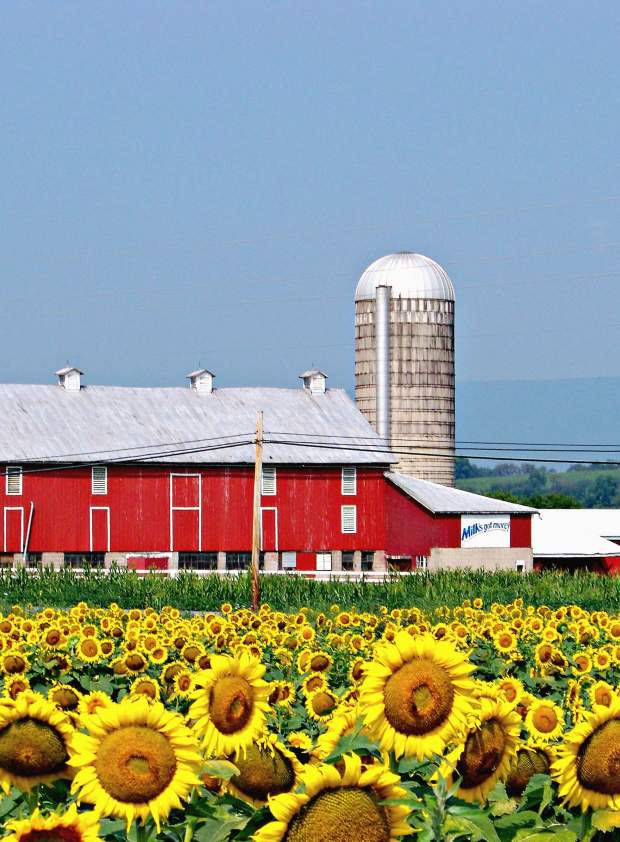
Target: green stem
{"type": "Point", "coordinates": [189, 832]}
{"type": "Point", "coordinates": [142, 833]}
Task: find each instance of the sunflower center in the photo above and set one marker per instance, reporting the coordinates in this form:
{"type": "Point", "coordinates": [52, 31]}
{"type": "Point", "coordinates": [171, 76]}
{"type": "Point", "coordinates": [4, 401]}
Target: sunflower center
{"type": "Point", "coordinates": [544, 719]}
{"type": "Point", "coordinates": [418, 697]}
{"type": "Point", "coordinates": [31, 748]}
{"type": "Point", "coordinates": [88, 648]}
{"type": "Point", "coordinates": [323, 703]}
{"type": "Point", "coordinates": [58, 834]}
{"type": "Point", "coordinates": [319, 663]}
{"type": "Point", "coordinates": [526, 765]}
{"type": "Point", "coordinates": [135, 764]}
{"type": "Point", "coordinates": [598, 762]}
{"type": "Point", "coordinates": [340, 815]}
{"type": "Point", "coordinates": [602, 696]}
{"type": "Point", "coordinates": [13, 664]}
{"type": "Point", "coordinates": [262, 773]}
{"type": "Point", "coordinates": [231, 703]}
{"type": "Point", "coordinates": [484, 749]}
{"type": "Point", "coordinates": [66, 699]}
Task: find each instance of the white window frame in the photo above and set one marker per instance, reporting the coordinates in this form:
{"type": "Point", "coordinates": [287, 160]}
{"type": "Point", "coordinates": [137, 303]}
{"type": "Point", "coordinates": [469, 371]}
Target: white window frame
{"type": "Point", "coordinates": [268, 509]}
{"type": "Point", "coordinates": [19, 509]}
{"type": "Point", "coordinates": [324, 562]}
{"type": "Point", "coordinates": [266, 488]}
{"type": "Point", "coordinates": [12, 472]}
{"type": "Point", "coordinates": [287, 557]}
{"type": "Point", "coordinates": [344, 510]}
{"type": "Point", "coordinates": [421, 562]}
{"type": "Point", "coordinates": [103, 479]}
{"type": "Point", "coordinates": [105, 509]}
{"type": "Point", "coordinates": [520, 565]}
{"type": "Point", "coordinates": [174, 508]}
{"type": "Point", "coordinates": [348, 481]}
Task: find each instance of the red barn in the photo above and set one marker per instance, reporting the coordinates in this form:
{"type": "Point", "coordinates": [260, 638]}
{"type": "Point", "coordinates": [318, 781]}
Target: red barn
{"type": "Point", "coordinates": [163, 477]}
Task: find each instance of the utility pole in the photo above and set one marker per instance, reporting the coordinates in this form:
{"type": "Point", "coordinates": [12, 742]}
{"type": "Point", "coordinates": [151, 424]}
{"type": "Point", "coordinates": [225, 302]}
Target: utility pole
{"type": "Point", "coordinates": [258, 470]}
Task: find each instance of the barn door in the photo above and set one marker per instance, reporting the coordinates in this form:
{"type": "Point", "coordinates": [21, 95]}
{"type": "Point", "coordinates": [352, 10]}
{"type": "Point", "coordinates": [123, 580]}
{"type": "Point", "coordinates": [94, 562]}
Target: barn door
{"type": "Point", "coordinates": [99, 529]}
{"type": "Point", "coordinates": [185, 513]}
{"type": "Point", "coordinates": [13, 529]}
{"type": "Point", "coordinates": [269, 529]}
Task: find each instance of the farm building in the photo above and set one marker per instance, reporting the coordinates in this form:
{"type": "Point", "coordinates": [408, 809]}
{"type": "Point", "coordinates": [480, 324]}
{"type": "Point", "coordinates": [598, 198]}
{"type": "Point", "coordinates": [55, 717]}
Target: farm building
{"type": "Point", "coordinates": [572, 539]}
{"type": "Point", "coordinates": [163, 477]}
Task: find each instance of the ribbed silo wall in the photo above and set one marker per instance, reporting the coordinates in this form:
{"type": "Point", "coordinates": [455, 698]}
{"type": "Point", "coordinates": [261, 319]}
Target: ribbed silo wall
{"type": "Point", "coordinates": [422, 382]}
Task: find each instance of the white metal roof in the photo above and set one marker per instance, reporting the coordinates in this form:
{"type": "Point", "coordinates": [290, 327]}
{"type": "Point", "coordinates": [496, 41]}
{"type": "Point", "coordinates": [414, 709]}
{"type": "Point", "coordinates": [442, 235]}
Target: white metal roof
{"type": "Point", "coordinates": [577, 533]}
{"type": "Point", "coordinates": [409, 274]}
{"type": "Point", "coordinates": [440, 499]}
{"type": "Point", "coordinates": [49, 423]}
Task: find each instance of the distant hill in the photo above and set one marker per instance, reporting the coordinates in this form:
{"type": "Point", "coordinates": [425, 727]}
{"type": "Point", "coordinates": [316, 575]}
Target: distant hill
{"type": "Point", "coordinates": [584, 411]}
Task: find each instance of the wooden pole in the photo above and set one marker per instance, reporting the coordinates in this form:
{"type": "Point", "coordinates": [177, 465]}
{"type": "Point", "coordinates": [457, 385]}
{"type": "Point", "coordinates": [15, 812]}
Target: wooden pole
{"type": "Point", "coordinates": [258, 470]}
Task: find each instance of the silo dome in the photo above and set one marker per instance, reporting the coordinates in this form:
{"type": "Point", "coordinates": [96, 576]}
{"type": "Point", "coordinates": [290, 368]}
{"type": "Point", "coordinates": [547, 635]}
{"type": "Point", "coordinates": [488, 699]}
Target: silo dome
{"type": "Point", "coordinates": [409, 274]}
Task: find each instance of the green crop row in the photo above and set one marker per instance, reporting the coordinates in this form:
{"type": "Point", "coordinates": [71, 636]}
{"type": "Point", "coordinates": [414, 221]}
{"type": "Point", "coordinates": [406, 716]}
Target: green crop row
{"type": "Point", "coordinates": [191, 592]}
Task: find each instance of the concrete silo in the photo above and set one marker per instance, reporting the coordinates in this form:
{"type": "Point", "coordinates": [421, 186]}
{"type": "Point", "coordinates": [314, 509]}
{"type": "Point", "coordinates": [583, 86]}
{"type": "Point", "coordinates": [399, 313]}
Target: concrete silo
{"type": "Point", "coordinates": [404, 361]}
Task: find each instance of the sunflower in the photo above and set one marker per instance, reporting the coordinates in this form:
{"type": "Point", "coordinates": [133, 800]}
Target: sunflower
{"type": "Point", "coordinates": [136, 760]}
{"type": "Point", "coordinates": [544, 720]}
{"type": "Point", "coordinates": [340, 807]}
{"type": "Point", "coordinates": [34, 742]}
{"type": "Point", "coordinates": [321, 705]}
{"type": "Point", "coordinates": [96, 699]}
{"type": "Point", "coordinates": [183, 685]}
{"type": "Point", "coordinates": [145, 686]}
{"type": "Point", "coordinates": [14, 662]}
{"type": "Point", "coordinates": [69, 827]}
{"type": "Point", "coordinates": [319, 661]}
{"type": "Point", "coordinates": [511, 688]}
{"type": "Point", "coordinates": [416, 694]}
{"type": "Point", "coordinates": [64, 696]}
{"type": "Point", "coordinates": [529, 760]}
{"type": "Point", "coordinates": [300, 740]}
{"type": "Point", "coordinates": [487, 754]}
{"type": "Point", "coordinates": [343, 723]}
{"type": "Point", "coordinates": [230, 705]}
{"type": "Point", "coordinates": [601, 693]}
{"type": "Point", "coordinates": [266, 768]}
{"type": "Point", "coordinates": [15, 685]}
{"type": "Point", "coordinates": [587, 768]}
{"type": "Point", "coordinates": [89, 650]}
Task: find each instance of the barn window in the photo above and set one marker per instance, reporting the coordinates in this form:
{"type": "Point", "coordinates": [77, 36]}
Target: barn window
{"type": "Point", "coordinates": [349, 482]}
{"type": "Point", "coordinates": [268, 481]}
{"type": "Point", "coordinates": [197, 561]}
{"type": "Point", "coordinates": [238, 561]}
{"type": "Point", "coordinates": [349, 519]}
{"type": "Point", "coordinates": [347, 561]}
{"type": "Point", "coordinates": [13, 480]}
{"type": "Point", "coordinates": [324, 561]}
{"type": "Point", "coordinates": [289, 561]}
{"type": "Point", "coordinates": [368, 560]}
{"type": "Point", "coordinates": [99, 480]}
{"type": "Point", "coordinates": [82, 560]}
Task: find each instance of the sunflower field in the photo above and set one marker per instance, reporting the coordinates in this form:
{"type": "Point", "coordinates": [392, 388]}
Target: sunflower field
{"type": "Point", "coordinates": [487, 722]}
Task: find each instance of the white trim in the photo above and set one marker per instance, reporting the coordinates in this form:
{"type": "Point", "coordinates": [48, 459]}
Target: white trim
{"type": "Point", "coordinates": [323, 557]}
{"type": "Point", "coordinates": [197, 508]}
{"type": "Point", "coordinates": [104, 469]}
{"type": "Point", "coordinates": [265, 493]}
{"type": "Point", "coordinates": [268, 509]}
{"type": "Point", "coordinates": [12, 472]}
{"type": "Point", "coordinates": [352, 479]}
{"type": "Point", "coordinates": [19, 509]}
{"type": "Point", "coordinates": [105, 509]}
{"type": "Point", "coordinates": [353, 512]}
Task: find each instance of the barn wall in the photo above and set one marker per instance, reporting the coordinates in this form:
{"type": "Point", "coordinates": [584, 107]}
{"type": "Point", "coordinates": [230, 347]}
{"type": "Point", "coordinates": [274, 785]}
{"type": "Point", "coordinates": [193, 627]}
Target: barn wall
{"type": "Point", "coordinates": [308, 502]}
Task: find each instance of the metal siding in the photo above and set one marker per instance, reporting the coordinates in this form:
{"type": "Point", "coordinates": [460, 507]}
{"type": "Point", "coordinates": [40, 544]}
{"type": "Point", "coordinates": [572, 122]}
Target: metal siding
{"type": "Point", "coordinates": [308, 500]}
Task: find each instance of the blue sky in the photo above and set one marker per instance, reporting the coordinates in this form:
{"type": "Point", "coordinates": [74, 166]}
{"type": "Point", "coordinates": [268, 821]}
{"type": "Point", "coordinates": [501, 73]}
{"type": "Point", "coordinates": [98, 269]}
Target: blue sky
{"type": "Point", "coordinates": [188, 182]}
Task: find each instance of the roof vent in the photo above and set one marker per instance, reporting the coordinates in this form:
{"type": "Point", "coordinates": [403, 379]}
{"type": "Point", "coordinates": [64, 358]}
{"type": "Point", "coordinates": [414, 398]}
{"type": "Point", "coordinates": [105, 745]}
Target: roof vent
{"type": "Point", "coordinates": [314, 381]}
{"type": "Point", "coordinates": [201, 380]}
{"type": "Point", "coordinates": [70, 378]}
